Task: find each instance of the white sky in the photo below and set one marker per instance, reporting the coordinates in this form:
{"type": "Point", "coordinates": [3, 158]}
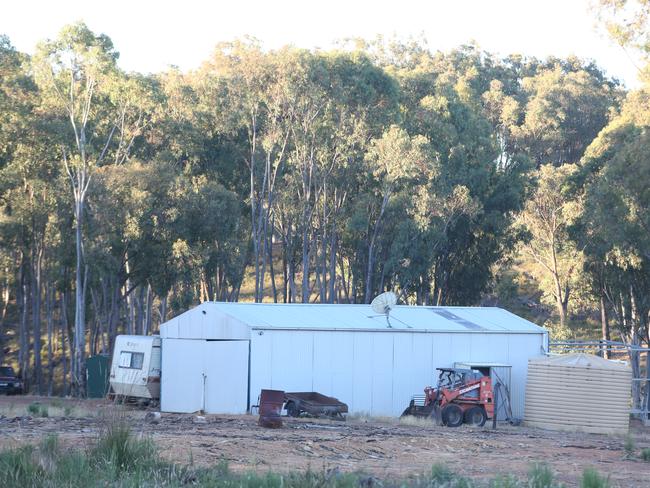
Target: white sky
{"type": "Point", "coordinates": [151, 35]}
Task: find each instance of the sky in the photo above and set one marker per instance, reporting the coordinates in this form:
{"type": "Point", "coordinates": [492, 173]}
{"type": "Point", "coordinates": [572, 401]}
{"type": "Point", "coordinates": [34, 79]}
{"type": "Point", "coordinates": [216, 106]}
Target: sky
{"type": "Point", "coordinates": [153, 35]}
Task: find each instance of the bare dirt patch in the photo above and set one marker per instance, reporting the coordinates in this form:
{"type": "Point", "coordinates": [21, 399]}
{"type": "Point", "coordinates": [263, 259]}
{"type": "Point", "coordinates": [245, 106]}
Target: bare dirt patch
{"type": "Point", "coordinates": [385, 449]}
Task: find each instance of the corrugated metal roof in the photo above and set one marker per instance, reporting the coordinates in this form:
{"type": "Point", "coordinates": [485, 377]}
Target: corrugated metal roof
{"type": "Point", "coordinates": [347, 316]}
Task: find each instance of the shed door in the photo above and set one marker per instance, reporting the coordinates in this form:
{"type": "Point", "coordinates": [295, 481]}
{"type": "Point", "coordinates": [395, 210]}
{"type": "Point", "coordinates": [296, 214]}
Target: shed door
{"type": "Point", "coordinates": [204, 375]}
{"type": "Point", "coordinates": [226, 382]}
{"type": "Point", "coordinates": [182, 376]}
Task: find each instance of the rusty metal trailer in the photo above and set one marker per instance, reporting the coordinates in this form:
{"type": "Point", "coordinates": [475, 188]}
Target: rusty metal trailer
{"type": "Point", "coordinates": [315, 404]}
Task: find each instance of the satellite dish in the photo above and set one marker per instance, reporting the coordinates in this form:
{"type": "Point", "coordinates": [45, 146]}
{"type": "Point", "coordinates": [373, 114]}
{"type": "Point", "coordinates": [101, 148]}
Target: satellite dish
{"type": "Point", "coordinates": [383, 304]}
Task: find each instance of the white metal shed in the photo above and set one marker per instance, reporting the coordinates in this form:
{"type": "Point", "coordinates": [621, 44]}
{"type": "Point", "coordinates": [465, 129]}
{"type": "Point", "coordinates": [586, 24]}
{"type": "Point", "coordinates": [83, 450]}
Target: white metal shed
{"type": "Point", "coordinates": [218, 356]}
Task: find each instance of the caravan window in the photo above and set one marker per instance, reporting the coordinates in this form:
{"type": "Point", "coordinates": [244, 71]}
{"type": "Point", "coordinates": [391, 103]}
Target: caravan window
{"type": "Point", "coordinates": [132, 360]}
{"type": "Point", "coordinates": [137, 358]}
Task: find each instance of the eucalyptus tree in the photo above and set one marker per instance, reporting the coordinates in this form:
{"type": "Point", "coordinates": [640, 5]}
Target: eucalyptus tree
{"type": "Point", "coordinates": [29, 195]}
{"type": "Point", "coordinates": [339, 101]}
{"type": "Point", "coordinates": [16, 104]}
{"type": "Point", "coordinates": [362, 103]}
{"type": "Point", "coordinates": [547, 217]}
{"type": "Point", "coordinates": [250, 95]}
{"type": "Point", "coordinates": [614, 226]}
{"type": "Point", "coordinates": [567, 104]}
{"type": "Point", "coordinates": [208, 237]}
{"type": "Point", "coordinates": [79, 81]}
{"type": "Point", "coordinates": [394, 160]}
{"type": "Point", "coordinates": [474, 195]}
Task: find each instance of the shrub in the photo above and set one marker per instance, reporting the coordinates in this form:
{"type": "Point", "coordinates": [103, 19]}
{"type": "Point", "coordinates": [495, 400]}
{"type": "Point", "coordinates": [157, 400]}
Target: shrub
{"type": "Point", "coordinates": [34, 408]}
{"type": "Point", "coordinates": [441, 473]}
{"type": "Point", "coordinates": [442, 476]}
{"type": "Point", "coordinates": [17, 468]}
{"type": "Point", "coordinates": [56, 403]}
{"type": "Point", "coordinates": [38, 410]}
{"type": "Point", "coordinates": [119, 449]}
{"type": "Point", "coordinates": [73, 469]}
{"type": "Point", "coordinates": [592, 479]}
{"type": "Point", "coordinates": [505, 482]}
{"type": "Point", "coordinates": [645, 454]}
{"type": "Point", "coordinates": [49, 445]}
{"type": "Point", "coordinates": [540, 476]}
{"type": "Point", "coordinates": [629, 446]}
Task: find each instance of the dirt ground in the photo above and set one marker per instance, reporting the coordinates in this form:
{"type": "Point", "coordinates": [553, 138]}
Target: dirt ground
{"type": "Point", "coordinates": [382, 448]}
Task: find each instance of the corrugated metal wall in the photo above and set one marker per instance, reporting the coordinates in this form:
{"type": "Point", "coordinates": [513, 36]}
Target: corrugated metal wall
{"type": "Point", "coordinates": [577, 398]}
{"type": "Point", "coordinates": [378, 372]}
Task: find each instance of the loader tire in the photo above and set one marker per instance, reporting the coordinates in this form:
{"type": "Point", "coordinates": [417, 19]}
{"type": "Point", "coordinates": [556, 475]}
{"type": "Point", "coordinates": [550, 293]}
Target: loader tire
{"type": "Point", "coordinates": [452, 415]}
{"type": "Point", "coordinates": [476, 416]}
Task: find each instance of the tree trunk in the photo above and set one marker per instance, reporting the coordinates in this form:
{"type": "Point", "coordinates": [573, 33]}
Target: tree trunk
{"type": "Point", "coordinates": [80, 306]}
{"type": "Point", "coordinates": [647, 386]}
{"type": "Point", "coordinates": [274, 288]}
{"type": "Point", "coordinates": [140, 311]}
{"type": "Point", "coordinates": [3, 313]}
{"type": "Point", "coordinates": [604, 324]}
{"type": "Point", "coordinates": [63, 315]}
{"type": "Point", "coordinates": [37, 264]}
{"type": "Point", "coordinates": [148, 309]}
{"type": "Point", "coordinates": [634, 355]}
{"type": "Point", "coordinates": [163, 310]}
{"type": "Point", "coordinates": [559, 298]}
{"type": "Point", "coordinates": [345, 279]}
{"type": "Point", "coordinates": [50, 335]}
{"type": "Point", "coordinates": [371, 250]}
{"type": "Point", "coordinates": [264, 252]}
{"type": "Point", "coordinates": [114, 315]}
{"type": "Point", "coordinates": [331, 298]}
{"type": "Point", "coordinates": [293, 289]}
{"type": "Point", "coordinates": [305, 262]}
{"type": "Point", "coordinates": [23, 351]}
{"type": "Point", "coordinates": [95, 328]}
{"type": "Point", "coordinates": [130, 307]}
{"type": "Point", "coordinates": [285, 274]}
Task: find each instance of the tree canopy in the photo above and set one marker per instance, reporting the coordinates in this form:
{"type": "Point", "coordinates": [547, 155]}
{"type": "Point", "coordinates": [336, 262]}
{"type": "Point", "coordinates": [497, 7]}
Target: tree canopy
{"type": "Point", "coordinates": [292, 175]}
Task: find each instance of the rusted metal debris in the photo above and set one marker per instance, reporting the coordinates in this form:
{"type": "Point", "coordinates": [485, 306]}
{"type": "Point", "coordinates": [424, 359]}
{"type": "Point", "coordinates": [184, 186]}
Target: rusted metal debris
{"type": "Point", "coordinates": [271, 402]}
{"type": "Point", "coordinates": [314, 404]}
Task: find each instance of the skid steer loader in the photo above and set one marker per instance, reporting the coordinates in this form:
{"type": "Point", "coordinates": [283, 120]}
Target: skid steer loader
{"type": "Point", "coordinates": [461, 396]}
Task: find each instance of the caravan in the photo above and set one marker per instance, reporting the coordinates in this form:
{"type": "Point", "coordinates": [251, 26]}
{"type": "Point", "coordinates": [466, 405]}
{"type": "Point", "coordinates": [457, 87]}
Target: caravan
{"type": "Point", "coordinates": [135, 368]}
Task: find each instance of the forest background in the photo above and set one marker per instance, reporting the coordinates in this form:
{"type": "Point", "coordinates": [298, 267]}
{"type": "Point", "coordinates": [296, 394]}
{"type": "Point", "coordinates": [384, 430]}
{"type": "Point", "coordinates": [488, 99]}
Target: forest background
{"type": "Point", "coordinates": [292, 175]}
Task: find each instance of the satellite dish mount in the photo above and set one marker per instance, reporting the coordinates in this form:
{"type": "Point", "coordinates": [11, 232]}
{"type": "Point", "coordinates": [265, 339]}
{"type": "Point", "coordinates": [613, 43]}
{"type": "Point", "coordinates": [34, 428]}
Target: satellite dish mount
{"type": "Point", "coordinates": [383, 304]}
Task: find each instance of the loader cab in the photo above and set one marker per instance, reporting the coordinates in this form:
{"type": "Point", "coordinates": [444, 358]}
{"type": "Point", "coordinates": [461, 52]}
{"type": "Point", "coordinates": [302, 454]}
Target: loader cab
{"type": "Point", "coordinates": [455, 378]}
{"type": "Point", "coordinates": [452, 378]}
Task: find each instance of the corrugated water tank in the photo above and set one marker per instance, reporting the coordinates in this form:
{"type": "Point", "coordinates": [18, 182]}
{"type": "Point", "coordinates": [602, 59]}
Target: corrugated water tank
{"type": "Point", "coordinates": [578, 392]}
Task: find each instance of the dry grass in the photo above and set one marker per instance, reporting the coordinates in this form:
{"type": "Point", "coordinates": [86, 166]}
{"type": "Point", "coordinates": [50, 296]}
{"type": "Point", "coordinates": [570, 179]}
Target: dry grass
{"type": "Point", "coordinates": [364, 418]}
{"type": "Point", "coordinates": [46, 408]}
{"type": "Point", "coordinates": [417, 421]}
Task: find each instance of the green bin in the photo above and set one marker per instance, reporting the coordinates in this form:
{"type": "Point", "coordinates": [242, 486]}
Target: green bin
{"type": "Point", "coordinates": [97, 372]}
